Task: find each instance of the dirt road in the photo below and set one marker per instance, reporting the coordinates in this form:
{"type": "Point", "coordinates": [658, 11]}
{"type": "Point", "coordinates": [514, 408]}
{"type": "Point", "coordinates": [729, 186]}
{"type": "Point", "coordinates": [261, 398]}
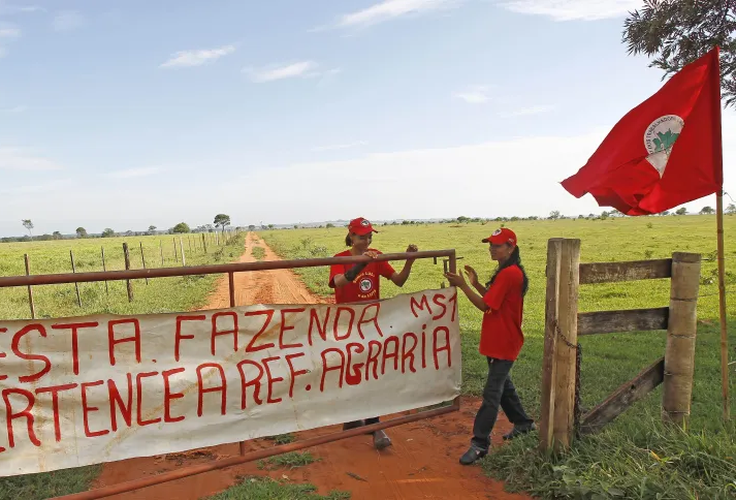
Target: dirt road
{"type": "Point", "coordinates": [421, 464]}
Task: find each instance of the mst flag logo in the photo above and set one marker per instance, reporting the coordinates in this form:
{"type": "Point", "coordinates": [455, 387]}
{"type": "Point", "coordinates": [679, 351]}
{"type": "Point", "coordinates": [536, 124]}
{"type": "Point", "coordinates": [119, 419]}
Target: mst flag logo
{"type": "Point", "coordinates": [659, 139]}
{"type": "Point", "coordinates": [366, 285]}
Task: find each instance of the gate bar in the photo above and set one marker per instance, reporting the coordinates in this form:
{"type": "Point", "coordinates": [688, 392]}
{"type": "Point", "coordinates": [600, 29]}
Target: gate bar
{"type": "Point", "coordinates": [167, 272]}
{"type": "Point", "coordinates": [143, 482]}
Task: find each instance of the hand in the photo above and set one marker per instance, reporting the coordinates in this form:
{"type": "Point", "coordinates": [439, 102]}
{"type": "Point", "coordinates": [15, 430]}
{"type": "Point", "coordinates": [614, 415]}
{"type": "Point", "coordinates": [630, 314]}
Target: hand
{"type": "Point", "coordinates": [371, 253]}
{"type": "Point", "coordinates": [455, 279]}
{"type": "Point", "coordinates": [411, 249]}
{"type": "Point", "coordinates": [472, 275]}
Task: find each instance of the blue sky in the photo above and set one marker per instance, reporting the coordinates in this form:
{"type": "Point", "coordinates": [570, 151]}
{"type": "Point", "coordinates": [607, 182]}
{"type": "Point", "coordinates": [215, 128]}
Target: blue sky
{"type": "Point", "coordinates": [128, 113]}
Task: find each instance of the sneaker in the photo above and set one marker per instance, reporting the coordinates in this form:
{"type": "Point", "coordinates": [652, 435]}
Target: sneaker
{"type": "Point", "coordinates": [472, 455]}
{"type": "Point", "coordinates": [381, 440]}
{"type": "Point", "coordinates": [518, 431]}
{"type": "Point", "coordinates": [352, 425]}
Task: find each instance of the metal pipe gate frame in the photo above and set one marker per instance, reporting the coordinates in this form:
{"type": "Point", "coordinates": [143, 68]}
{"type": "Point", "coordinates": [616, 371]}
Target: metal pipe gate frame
{"type": "Point", "coordinates": [231, 269]}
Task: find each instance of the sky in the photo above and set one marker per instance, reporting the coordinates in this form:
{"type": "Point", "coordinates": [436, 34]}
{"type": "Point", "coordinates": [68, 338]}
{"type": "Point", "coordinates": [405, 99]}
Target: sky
{"type": "Point", "coordinates": [125, 114]}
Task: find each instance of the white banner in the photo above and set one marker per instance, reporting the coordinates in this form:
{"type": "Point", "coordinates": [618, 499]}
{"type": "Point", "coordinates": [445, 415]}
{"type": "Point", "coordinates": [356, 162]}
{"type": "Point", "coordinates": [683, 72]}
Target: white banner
{"type": "Point", "coordinates": [94, 389]}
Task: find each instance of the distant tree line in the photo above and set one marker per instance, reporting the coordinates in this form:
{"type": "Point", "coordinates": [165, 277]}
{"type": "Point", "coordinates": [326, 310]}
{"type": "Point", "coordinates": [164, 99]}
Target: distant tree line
{"type": "Point", "coordinates": [220, 221]}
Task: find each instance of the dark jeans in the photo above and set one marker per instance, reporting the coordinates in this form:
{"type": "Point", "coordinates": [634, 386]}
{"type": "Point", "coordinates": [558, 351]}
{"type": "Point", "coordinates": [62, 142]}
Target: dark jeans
{"type": "Point", "coordinates": [499, 390]}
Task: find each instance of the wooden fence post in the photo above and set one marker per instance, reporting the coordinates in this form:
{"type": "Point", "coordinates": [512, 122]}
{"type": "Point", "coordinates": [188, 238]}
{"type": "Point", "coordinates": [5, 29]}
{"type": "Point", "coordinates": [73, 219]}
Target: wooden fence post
{"type": "Point", "coordinates": [204, 242]}
{"type": "Point", "coordinates": [566, 330]}
{"type": "Point", "coordinates": [176, 254]}
{"type": "Point", "coordinates": [126, 254]}
{"type": "Point", "coordinates": [546, 416]}
{"type": "Point", "coordinates": [161, 247]}
{"type": "Point", "coordinates": [104, 268]}
{"type": "Point", "coordinates": [181, 247]}
{"type": "Point", "coordinates": [30, 292]}
{"type": "Point", "coordinates": [679, 357]}
{"type": "Point", "coordinates": [143, 258]}
{"type": "Point", "coordinates": [76, 285]}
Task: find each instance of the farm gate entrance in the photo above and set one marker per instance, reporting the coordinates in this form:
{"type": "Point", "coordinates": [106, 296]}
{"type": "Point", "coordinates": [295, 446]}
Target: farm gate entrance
{"type": "Point", "coordinates": [230, 269]}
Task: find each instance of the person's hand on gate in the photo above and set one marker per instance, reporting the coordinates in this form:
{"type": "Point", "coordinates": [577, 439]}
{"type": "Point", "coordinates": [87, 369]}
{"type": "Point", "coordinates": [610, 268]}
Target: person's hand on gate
{"type": "Point", "coordinates": [411, 249]}
{"type": "Point", "coordinates": [457, 280]}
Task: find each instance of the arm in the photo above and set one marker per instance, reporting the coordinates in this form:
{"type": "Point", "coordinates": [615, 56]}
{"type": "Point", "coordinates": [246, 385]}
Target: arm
{"type": "Point", "coordinates": [481, 289]}
{"type": "Point", "coordinates": [493, 299]}
{"type": "Point", "coordinates": [473, 276]}
{"type": "Point", "coordinates": [459, 281]}
{"type": "Point", "coordinates": [400, 278]}
{"type": "Point", "coordinates": [338, 280]}
{"type": "Point", "coordinates": [474, 298]}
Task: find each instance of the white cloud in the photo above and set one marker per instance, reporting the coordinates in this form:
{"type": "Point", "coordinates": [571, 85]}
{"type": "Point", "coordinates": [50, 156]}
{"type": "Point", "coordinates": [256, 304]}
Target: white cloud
{"type": "Point", "coordinates": [14, 9]}
{"type": "Point", "coordinates": [475, 94]}
{"type": "Point", "coordinates": [327, 76]}
{"type": "Point", "coordinates": [339, 146]}
{"type": "Point", "coordinates": [573, 10]}
{"type": "Point", "coordinates": [14, 109]}
{"type": "Point", "coordinates": [190, 58]}
{"type": "Point", "coordinates": [134, 172]}
{"type": "Point", "coordinates": [302, 69]}
{"type": "Point", "coordinates": [531, 110]}
{"type": "Point", "coordinates": [546, 159]}
{"type": "Point", "coordinates": [68, 20]}
{"type": "Point", "coordinates": [392, 9]}
{"type": "Point", "coordinates": [8, 31]}
{"type": "Point", "coordinates": [18, 159]}
{"type": "Point", "coordinates": [31, 8]}
{"type": "Point", "coordinates": [44, 187]}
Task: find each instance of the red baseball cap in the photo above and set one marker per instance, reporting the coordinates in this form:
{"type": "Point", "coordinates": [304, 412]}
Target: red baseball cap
{"type": "Point", "coordinates": [501, 236]}
{"type": "Point", "coordinates": [361, 226]}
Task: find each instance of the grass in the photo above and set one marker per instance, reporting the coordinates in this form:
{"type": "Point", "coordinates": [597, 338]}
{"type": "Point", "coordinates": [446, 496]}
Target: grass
{"type": "Point", "coordinates": [160, 295]}
{"type": "Point", "coordinates": [258, 253]}
{"type": "Point", "coordinates": [283, 438]}
{"type": "Point", "coordinates": [640, 461]}
{"type": "Point", "coordinates": [265, 488]}
{"type": "Point", "coordinates": [618, 458]}
{"type": "Point", "coordinates": [290, 460]}
{"type": "Point", "coordinates": [49, 484]}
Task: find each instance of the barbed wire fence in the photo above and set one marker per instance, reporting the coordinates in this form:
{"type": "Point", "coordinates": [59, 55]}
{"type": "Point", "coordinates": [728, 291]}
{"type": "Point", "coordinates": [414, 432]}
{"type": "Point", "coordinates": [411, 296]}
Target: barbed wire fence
{"type": "Point", "coordinates": [135, 256]}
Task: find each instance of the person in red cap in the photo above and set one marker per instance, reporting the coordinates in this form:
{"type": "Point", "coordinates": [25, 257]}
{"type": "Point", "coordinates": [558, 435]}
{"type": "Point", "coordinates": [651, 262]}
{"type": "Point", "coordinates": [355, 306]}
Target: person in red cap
{"type": "Point", "coordinates": [361, 282]}
{"type": "Point", "coordinates": [501, 339]}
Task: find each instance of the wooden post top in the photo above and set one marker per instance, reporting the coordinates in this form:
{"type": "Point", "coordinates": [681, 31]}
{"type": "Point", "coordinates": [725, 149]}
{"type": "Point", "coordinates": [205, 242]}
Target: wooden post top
{"type": "Point", "coordinates": [686, 257]}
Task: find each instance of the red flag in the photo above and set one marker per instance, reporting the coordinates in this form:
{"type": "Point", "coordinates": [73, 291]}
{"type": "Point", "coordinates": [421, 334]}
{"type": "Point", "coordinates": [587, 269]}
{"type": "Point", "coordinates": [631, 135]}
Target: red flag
{"type": "Point", "coordinates": [666, 151]}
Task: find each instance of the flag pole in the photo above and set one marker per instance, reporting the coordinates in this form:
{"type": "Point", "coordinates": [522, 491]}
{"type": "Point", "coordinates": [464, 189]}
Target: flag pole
{"type": "Point", "coordinates": [718, 156]}
{"type": "Point", "coordinates": [722, 306]}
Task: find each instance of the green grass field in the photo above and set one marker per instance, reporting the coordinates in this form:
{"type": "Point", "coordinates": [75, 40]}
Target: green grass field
{"type": "Point", "coordinates": [619, 460]}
